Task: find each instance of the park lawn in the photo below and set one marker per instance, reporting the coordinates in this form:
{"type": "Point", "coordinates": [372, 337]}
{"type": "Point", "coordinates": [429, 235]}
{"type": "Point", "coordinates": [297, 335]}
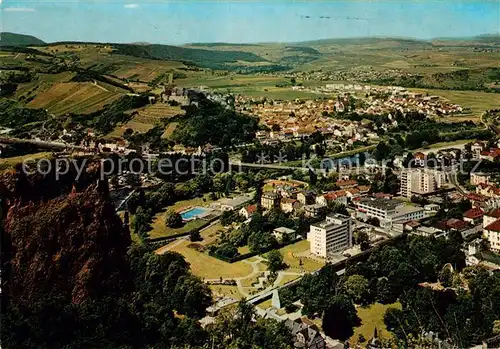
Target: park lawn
{"type": "Point", "coordinates": [226, 290]}
{"type": "Point", "coordinates": [210, 234]}
{"type": "Point", "coordinates": [293, 262]}
{"type": "Point", "coordinates": [288, 278]}
{"type": "Point", "coordinates": [268, 303]}
{"type": "Point", "coordinates": [445, 144]}
{"type": "Point", "coordinates": [250, 281]}
{"type": "Point", "coordinates": [160, 228]}
{"type": "Point", "coordinates": [208, 267]}
{"type": "Point", "coordinates": [371, 317]}
{"type": "Point", "coordinates": [243, 249]}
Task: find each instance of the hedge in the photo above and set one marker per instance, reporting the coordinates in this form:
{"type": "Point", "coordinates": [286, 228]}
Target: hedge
{"type": "Point", "coordinates": [252, 254]}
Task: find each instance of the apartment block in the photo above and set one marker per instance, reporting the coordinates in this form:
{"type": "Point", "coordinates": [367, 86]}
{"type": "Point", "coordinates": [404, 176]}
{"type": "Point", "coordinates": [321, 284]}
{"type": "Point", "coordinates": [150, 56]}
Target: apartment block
{"type": "Point", "coordinates": [421, 181]}
{"type": "Point", "coordinates": [388, 211]}
{"type": "Point", "coordinates": [333, 235]}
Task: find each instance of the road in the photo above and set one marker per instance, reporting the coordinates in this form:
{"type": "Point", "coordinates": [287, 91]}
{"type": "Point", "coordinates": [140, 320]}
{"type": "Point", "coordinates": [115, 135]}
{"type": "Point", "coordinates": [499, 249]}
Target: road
{"type": "Point", "coordinates": [454, 146]}
{"type": "Point", "coordinates": [124, 201]}
{"type": "Point", "coordinates": [42, 144]}
{"type": "Point", "coordinates": [354, 170]}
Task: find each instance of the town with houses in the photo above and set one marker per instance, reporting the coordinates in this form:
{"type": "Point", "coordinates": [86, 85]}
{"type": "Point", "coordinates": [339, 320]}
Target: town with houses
{"type": "Point", "coordinates": [331, 236]}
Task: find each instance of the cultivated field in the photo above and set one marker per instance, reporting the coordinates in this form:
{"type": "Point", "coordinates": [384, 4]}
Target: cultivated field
{"type": "Point", "coordinates": [6, 163]}
{"type": "Point", "coordinates": [134, 124]}
{"type": "Point", "coordinates": [144, 70]}
{"type": "Point", "coordinates": [74, 97]}
{"type": "Point", "coordinates": [153, 113]}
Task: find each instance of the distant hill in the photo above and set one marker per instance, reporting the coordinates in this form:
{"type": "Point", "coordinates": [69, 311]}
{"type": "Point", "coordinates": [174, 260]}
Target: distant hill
{"type": "Point", "coordinates": [200, 57]}
{"type": "Point", "coordinates": [365, 41]}
{"type": "Point", "coordinates": [13, 39]}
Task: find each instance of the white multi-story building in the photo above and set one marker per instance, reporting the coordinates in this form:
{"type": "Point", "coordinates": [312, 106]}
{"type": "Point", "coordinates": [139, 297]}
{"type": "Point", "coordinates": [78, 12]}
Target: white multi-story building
{"type": "Point", "coordinates": [332, 235]}
{"type": "Point", "coordinates": [388, 211]}
{"type": "Point", "coordinates": [421, 181]}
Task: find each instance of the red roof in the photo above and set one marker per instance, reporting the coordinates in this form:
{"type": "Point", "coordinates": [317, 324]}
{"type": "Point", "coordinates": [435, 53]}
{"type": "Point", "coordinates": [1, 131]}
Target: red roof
{"type": "Point", "coordinates": [364, 188]}
{"type": "Point", "coordinates": [474, 213]}
{"type": "Point", "coordinates": [330, 196]}
{"type": "Point", "coordinates": [419, 155]}
{"type": "Point", "coordinates": [251, 208]}
{"type": "Point", "coordinates": [495, 213]}
{"type": "Point", "coordinates": [476, 197]}
{"type": "Point", "coordinates": [495, 226]}
{"type": "Point", "coordinates": [349, 182]}
{"type": "Point", "coordinates": [455, 223]}
{"type": "Point", "coordinates": [382, 195]}
{"type": "Point", "coordinates": [340, 193]}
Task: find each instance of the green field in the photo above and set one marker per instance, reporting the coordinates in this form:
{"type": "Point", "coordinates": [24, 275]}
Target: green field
{"type": "Point", "coordinates": [249, 85]}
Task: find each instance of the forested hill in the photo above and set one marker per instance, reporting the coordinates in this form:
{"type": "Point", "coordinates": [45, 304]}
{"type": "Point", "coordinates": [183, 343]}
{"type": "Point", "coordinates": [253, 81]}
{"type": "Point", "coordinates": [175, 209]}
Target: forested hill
{"type": "Point", "coordinates": [200, 57]}
{"type": "Point", "coordinates": [13, 39]}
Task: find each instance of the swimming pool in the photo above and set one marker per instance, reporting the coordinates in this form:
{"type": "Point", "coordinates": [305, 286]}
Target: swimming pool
{"type": "Point", "coordinates": [195, 212]}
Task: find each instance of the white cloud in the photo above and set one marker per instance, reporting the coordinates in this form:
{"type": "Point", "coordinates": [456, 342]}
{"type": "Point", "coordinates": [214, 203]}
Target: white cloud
{"type": "Point", "coordinates": [131, 6]}
{"type": "Point", "coordinates": [18, 9]}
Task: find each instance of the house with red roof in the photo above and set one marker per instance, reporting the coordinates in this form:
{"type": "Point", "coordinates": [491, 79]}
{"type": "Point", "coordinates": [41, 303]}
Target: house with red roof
{"type": "Point", "coordinates": [345, 184]}
{"type": "Point", "coordinates": [492, 233]}
{"type": "Point", "coordinates": [474, 215]}
{"type": "Point", "coordinates": [419, 158]}
{"type": "Point", "coordinates": [477, 199]}
{"type": "Point", "coordinates": [339, 196]}
{"type": "Point", "coordinates": [451, 224]}
{"type": "Point", "coordinates": [491, 216]}
{"type": "Point", "coordinates": [287, 205]}
{"type": "Point", "coordinates": [248, 211]}
{"type": "Point", "coordinates": [490, 154]}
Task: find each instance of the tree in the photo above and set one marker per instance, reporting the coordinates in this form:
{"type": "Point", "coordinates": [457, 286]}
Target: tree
{"type": "Point", "coordinates": [141, 222]}
{"type": "Point", "coordinates": [386, 294]}
{"type": "Point", "coordinates": [260, 241]}
{"type": "Point", "coordinates": [227, 250]}
{"type": "Point", "coordinates": [394, 321]}
{"type": "Point", "coordinates": [227, 217]}
{"type": "Point", "coordinates": [287, 297]}
{"type": "Point", "coordinates": [274, 261]}
{"type": "Point", "coordinates": [446, 277]}
{"type": "Point", "coordinates": [496, 327]}
{"type": "Point", "coordinates": [316, 291]}
{"type": "Point", "coordinates": [173, 219]}
{"type": "Point", "coordinates": [195, 236]}
{"type": "Point", "coordinates": [356, 286]}
{"type": "Point", "coordinates": [340, 318]}
{"type": "Point", "coordinates": [361, 236]}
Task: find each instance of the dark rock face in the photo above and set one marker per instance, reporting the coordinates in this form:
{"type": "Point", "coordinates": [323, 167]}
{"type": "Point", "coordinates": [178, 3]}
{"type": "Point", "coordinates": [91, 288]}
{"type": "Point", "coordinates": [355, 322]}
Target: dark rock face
{"type": "Point", "coordinates": [73, 247]}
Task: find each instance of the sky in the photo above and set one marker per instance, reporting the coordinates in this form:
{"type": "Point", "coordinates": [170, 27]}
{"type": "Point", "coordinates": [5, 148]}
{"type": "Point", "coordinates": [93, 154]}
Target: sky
{"type": "Point", "coordinates": [188, 21]}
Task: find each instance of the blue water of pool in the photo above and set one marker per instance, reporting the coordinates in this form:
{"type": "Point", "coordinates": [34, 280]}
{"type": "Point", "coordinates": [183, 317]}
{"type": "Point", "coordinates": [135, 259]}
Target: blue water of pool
{"type": "Point", "coordinates": [192, 213]}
